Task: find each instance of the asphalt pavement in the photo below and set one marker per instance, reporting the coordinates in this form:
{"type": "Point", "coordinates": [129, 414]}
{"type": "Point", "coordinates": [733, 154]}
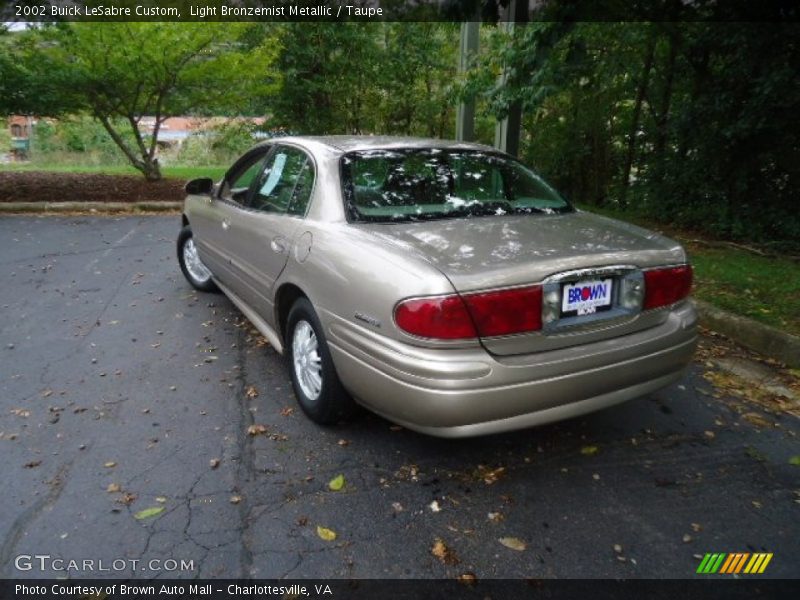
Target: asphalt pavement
{"type": "Point", "coordinates": [148, 427]}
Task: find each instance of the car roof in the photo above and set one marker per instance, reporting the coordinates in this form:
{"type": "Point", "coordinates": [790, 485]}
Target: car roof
{"type": "Point", "coordinates": [350, 143]}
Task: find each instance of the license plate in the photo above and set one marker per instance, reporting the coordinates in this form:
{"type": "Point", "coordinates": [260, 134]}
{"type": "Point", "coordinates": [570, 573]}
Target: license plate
{"type": "Point", "coordinates": [586, 297]}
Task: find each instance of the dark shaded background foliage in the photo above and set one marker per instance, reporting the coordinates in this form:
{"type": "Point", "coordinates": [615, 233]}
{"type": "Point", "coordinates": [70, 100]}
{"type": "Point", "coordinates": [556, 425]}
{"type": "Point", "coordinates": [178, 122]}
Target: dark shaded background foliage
{"type": "Point", "coordinates": [695, 124]}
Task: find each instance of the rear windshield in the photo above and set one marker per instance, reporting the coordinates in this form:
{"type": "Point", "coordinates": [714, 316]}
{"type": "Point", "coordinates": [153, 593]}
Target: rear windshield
{"type": "Point", "coordinates": [413, 184]}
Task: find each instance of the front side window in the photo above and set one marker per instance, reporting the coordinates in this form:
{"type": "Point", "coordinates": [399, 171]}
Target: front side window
{"type": "Point", "coordinates": [240, 178]}
{"type": "Point", "coordinates": [409, 185]}
{"type": "Point", "coordinates": [284, 186]}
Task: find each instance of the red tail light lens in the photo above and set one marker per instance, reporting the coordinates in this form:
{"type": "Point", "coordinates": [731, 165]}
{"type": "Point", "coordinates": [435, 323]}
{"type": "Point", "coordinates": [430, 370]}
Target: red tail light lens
{"type": "Point", "coordinates": [484, 314]}
{"type": "Point", "coordinates": [663, 287]}
{"type": "Point", "coordinates": [506, 312]}
{"type": "Point", "coordinates": [444, 318]}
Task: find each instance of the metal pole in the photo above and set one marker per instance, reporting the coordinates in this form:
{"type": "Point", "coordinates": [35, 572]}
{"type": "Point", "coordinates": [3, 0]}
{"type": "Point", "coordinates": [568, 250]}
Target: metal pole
{"type": "Point", "coordinates": [508, 131]}
{"type": "Point", "coordinates": [465, 114]}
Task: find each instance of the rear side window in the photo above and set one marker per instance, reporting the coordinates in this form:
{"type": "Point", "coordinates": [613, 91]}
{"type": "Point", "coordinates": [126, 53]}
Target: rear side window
{"type": "Point", "coordinates": [417, 184]}
{"type": "Point", "coordinates": [285, 184]}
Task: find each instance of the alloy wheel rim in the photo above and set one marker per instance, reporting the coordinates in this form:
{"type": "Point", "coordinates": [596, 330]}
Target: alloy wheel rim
{"type": "Point", "coordinates": [194, 265]}
{"type": "Point", "coordinates": [307, 361]}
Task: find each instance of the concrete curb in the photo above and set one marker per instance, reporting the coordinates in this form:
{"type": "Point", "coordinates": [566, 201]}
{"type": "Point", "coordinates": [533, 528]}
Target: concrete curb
{"type": "Point", "coordinates": [100, 207]}
{"type": "Point", "coordinates": [751, 334]}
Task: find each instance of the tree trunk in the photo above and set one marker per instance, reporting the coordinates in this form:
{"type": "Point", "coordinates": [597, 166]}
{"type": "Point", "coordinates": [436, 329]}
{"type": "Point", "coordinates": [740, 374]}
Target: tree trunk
{"type": "Point", "coordinates": [146, 164]}
{"type": "Point", "coordinates": [641, 91]}
{"type": "Point", "coordinates": [666, 100]}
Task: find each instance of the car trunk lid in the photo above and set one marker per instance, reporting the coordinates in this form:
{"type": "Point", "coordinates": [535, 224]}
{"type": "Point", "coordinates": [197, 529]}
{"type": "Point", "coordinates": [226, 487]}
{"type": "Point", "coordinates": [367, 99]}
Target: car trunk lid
{"type": "Point", "coordinates": [483, 253]}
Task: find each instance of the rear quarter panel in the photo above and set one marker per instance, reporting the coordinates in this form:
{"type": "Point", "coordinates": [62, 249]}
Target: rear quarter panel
{"type": "Point", "coordinates": [353, 280]}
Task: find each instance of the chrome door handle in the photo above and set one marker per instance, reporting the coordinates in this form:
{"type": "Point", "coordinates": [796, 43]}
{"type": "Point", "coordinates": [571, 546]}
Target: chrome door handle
{"type": "Point", "coordinates": [226, 224]}
{"type": "Point", "coordinates": [278, 244]}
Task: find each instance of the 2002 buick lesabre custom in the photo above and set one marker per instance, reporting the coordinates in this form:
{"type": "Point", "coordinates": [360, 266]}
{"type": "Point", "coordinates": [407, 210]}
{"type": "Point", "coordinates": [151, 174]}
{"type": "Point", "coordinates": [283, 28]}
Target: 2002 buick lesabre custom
{"type": "Point", "coordinates": [443, 285]}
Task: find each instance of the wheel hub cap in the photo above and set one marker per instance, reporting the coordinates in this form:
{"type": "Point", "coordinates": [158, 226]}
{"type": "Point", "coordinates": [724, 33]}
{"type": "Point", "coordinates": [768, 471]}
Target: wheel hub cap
{"type": "Point", "coordinates": [194, 265]}
{"type": "Point", "coordinates": [307, 361]}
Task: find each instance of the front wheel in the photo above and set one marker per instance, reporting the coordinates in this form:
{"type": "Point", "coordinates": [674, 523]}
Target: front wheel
{"type": "Point", "coordinates": [316, 384]}
{"type": "Point", "coordinates": [192, 266]}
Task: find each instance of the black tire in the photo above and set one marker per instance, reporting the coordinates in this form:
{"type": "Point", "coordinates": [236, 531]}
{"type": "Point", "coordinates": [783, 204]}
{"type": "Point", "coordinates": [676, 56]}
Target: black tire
{"type": "Point", "coordinates": [204, 285]}
{"type": "Point", "coordinates": [333, 403]}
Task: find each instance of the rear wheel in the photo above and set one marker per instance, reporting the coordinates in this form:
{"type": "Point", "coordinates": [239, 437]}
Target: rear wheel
{"type": "Point", "coordinates": [316, 384]}
{"type": "Point", "coordinates": [192, 266]}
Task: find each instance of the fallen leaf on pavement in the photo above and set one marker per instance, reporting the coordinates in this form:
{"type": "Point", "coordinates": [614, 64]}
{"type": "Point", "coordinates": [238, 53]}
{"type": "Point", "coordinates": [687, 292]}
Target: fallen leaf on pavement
{"type": "Point", "coordinates": [467, 578]}
{"type": "Point", "coordinates": [251, 392]}
{"type": "Point", "coordinates": [47, 393]}
{"type": "Point", "coordinates": [256, 430]}
{"type": "Point", "coordinates": [618, 548]}
{"type": "Point", "coordinates": [21, 412]}
{"type": "Point", "coordinates": [161, 499]}
{"type": "Point", "coordinates": [795, 460]}
{"type": "Point", "coordinates": [488, 475]}
{"type": "Point", "coordinates": [337, 483]}
{"type": "Point", "coordinates": [127, 499]}
{"type": "Point", "coordinates": [343, 442]}
{"type": "Point", "coordinates": [696, 527]}
{"type": "Point", "coordinates": [589, 450]}
{"type": "Point", "coordinates": [286, 411]}
{"type": "Point", "coordinates": [495, 517]}
{"type": "Point", "coordinates": [443, 553]}
{"type": "Point", "coordinates": [434, 506]}
{"type": "Point", "coordinates": [513, 543]}
{"type": "Point", "coordinates": [326, 534]}
{"type": "Point", "coordinates": [110, 464]}
{"type": "Point", "coordinates": [32, 464]}
{"type": "Point", "coordinates": [213, 463]}
{"type": "Point", "coordinates": [149, 512]}
{"type": "Point", "coordinates": [235, 499]}
{"type": "Point", "coordinates": [686, 538]}
{"type": "Point", "coordinates": [113, 488]}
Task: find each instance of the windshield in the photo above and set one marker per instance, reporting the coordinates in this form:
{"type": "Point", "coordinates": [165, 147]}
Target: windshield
{"type": "Point", "coordinates": [413, 184]}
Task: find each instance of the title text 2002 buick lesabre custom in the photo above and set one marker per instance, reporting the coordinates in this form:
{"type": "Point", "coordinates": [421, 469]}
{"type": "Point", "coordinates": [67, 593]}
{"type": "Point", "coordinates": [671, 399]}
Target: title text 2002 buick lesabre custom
{"type": "Point", "coordinates": [442, 285]}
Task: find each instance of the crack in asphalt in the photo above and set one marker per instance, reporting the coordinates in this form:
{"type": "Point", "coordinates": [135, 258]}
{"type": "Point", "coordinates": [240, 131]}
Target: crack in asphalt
{"type": "Point", "coordinates": [29, 516]}
{"type": "Point", "coordinates": [246, 464]}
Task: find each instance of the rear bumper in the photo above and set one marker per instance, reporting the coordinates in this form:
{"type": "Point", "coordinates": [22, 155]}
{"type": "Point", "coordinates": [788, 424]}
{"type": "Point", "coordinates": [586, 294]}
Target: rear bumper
{"type": "Point", "coordinates": [460, 393]}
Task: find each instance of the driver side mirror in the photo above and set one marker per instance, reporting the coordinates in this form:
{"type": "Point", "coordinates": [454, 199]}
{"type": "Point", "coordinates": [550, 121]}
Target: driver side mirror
{"type": "Point", "coordinates": [200, 187]}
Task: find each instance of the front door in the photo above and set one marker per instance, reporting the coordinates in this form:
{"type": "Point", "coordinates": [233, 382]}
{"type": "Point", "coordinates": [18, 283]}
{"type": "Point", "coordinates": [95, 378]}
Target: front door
{"type": "Point", "coordinates": [211, 223]}
{"type": "Point", "coordinates": [261, 233]}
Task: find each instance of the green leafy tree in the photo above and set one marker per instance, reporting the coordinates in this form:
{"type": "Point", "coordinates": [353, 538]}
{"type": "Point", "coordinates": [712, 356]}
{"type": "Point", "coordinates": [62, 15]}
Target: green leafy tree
{"type": "Point", "coordinates": [418, 70]}
{"type": "Point", "coordinates": [365, 78]}
{"type": "Point", "coordinates": [328, 73]}
{"type": "Point", "coordinates": [122, 72]}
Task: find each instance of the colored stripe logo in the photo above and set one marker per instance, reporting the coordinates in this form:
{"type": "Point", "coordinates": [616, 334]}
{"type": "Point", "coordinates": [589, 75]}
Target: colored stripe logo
{"type": "Point", "coordinates": [736, 562]}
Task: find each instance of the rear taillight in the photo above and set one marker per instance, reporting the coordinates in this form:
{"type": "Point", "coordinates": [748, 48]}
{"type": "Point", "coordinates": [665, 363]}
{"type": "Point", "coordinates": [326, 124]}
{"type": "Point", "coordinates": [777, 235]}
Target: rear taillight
{"type": "Point", "coordinates": [443, 317]}
{"type": "Point", "coordinates": [506, 312]}
{"type": "Point", "coordinates": [484, 314]}
{"type": "Point", "coordinates": [663, 287]}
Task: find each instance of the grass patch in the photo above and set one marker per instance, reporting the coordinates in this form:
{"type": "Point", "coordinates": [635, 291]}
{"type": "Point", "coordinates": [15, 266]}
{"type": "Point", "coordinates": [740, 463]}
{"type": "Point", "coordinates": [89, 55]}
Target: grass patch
{"type": "Point", "coordinates": [762, 288]}
{"type": "Point", "coordinates": [169, 172]}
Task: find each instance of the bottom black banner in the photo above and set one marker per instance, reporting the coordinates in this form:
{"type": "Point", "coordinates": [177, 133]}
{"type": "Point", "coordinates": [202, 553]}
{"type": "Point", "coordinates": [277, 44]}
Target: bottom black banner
{"type": "Point", "coordinates": [469, 588]}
